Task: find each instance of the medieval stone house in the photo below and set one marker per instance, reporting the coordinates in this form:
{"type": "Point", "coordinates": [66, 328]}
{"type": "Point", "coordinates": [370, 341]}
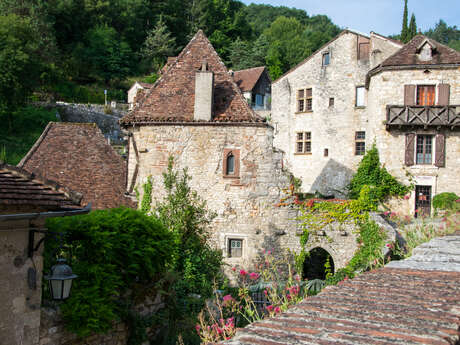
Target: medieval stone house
{"type": "Point", "coordinates": [255, 83]}
{"type": "Point", "coordinates": [196, 113]}
{"type": "Point", "coordinates": [135, 91]}
{"type": "Point", "coordinates": [359, 89]}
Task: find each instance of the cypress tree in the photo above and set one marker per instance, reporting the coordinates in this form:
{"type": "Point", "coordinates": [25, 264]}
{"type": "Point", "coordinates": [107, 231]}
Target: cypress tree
{"type": "Point", "coordinates": [405, 30]}
{"type": "Point", "coordinates": [412, 27]}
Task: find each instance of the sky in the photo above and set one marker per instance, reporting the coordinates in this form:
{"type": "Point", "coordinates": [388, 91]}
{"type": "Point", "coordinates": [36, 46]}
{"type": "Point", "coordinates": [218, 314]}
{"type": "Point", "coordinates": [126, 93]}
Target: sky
{"type": "Point", "coordinates": [381, 16]}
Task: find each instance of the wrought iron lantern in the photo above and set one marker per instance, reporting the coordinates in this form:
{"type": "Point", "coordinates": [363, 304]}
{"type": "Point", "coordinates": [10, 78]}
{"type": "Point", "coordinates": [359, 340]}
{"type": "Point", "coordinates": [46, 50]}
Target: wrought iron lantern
{"type": "Point", "coordinates": [60, 280]}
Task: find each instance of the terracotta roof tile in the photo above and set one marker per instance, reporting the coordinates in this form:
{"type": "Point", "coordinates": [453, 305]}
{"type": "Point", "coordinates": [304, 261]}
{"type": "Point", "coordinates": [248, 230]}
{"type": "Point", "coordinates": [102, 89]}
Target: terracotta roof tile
{"type": "Point", "coordinates": [145, 85]}
{"type": "Point", "coordinates": [407, 55]}
{"type": "Point", "coordinates": [18, 187]}
{"type": "Point", "coordinates": [246, 79]}
{"type": "Point", "coordinates": [77, 156]}
{"type": "Point", "coordinates": [386, 306]}
{"type": "Point", "coordinates": [171, 99]}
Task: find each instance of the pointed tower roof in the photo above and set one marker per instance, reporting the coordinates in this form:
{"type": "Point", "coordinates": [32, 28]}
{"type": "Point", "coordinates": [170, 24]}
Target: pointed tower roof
{"type": "Point", "coordinates": [172, 97]}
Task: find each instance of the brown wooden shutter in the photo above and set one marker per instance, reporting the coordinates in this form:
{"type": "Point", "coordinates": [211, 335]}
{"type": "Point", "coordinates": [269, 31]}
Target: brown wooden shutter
{"type": "Point", "coordinates": [410, 146]}
{"type": "Point", "coordinates": [443, 94]}
{"type": "Point", "coordinates": [409, 94]}
{"type": "Point", "coordinates": [440, 159]}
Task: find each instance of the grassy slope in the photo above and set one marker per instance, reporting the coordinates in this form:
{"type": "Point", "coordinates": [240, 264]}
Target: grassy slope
{"type": "Point", "coordinates": [28, 124]}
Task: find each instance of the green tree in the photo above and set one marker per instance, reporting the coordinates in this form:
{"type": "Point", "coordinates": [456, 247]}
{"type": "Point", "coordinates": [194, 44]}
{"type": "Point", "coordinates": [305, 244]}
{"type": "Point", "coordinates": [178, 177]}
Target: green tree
{"type": "Point", "coordinates": [405, 29]}
{"type": "Point", "coordinates": [240, 54]}
{"type": "Point", "coordinates": [449, 35]}
{"type": "Point", "coordinates": [21, 64]}
{"type": "Point", "coordinates": [110, 58]}
{"type": "Point", "coordinates": [287, 45]}
{"type": "Point", "coordinates": [158, 45]}
{"type": "Point", "coordinates": [412, 27]}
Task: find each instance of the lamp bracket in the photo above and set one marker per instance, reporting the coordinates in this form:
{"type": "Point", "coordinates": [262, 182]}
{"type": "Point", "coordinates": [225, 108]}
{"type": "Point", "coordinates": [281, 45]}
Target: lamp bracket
{"type": "Point", "coordinates": [31, 248]}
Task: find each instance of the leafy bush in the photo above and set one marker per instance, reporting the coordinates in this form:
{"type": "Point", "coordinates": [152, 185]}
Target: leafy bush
{"type": "Point", "coordinates": [118, 255]}
{"type": "Point", "coordinates": [445, 201]}
{"type": "Point", "coordinates": [370, 173]}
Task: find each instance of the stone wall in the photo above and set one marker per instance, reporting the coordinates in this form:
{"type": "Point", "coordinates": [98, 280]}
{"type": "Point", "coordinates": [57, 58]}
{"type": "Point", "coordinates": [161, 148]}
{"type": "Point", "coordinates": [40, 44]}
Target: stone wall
{"type": "Point", "coordinates": [19, 300]}
{"type": "Point", "coordinates": [245, 206]}
{"type": "Point", "coordinates": [387, 88]}
{"type": "Point", "coordinates": [93, 113]}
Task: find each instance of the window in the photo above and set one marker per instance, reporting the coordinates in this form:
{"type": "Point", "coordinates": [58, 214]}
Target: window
{"type": "Point", "coordinates": [359, 96]}
{"type": "Point", "coordinates": [331, 101]}
{"type": "Point", "coordinates": [304, 100]}
{"type": "Point", "coordinates": [425, 94]}
{"type": "Point", "coordinates": [326, 152]}
{"type": "Point", "coordinates": [259, 100]}
{"type": "Point", "coordinates": [326, 59]}
{"type": "Point", "coordinates": [360, 143]}
{"type": "Point", "coordinates": [231, 163]}
{"type": "Point", "coordinates": [303, 142]}
{"type": "Point", "coordinates": [424, 149]}
{"type": "Point", "coordinates": [235, 248]}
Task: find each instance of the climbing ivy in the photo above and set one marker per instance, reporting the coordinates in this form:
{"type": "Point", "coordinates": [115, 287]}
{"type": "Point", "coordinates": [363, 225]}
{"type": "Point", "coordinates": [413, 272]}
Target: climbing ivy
{"type": "Point", "coordinates": [371, 173]}
{"type": "Point", "coordinates": [146, 202]}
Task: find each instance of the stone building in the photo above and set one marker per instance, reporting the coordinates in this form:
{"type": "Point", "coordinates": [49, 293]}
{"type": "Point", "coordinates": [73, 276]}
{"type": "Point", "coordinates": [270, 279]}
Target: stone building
{"type": "Point", "coordinates": [77, 156]}
{"type": "Point", "coordinates": [196, 113]}
{"type": "Point", "coordinates": [25, 202]}
{"type": "Point", "coordinates": [333, 106]}
{"type": "Point", "coordinates": [255, 83]}
{"type": "Point", "coordinates": [135, 91]}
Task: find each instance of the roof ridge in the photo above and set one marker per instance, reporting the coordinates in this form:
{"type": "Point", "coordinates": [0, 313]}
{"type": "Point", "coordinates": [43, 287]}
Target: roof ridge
{"type": "Point", "coordinates": [35, 145]}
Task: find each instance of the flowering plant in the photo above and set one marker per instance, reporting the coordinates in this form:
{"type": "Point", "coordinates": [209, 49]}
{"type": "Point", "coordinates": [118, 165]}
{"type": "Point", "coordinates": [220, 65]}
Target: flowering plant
{"type": "Point", "coordinates": [268, 290]}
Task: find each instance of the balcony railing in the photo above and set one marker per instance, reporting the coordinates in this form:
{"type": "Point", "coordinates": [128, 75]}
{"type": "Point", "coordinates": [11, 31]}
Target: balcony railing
{"type": "Point", "coordinates": [402, 116]}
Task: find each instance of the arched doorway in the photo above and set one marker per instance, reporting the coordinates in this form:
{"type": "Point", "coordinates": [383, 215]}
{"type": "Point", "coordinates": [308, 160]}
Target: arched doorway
{"type": "Point", "coordinates": [314, 266]}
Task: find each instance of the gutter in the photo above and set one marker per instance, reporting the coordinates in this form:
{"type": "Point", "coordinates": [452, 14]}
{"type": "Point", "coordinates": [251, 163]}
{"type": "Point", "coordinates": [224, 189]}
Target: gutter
{"type": "Point", "coordinates": [42, 215]}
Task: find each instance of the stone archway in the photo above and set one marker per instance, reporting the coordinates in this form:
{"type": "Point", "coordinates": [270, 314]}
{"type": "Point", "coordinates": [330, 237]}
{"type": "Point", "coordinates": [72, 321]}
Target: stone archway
{"type": "Point", "coordinates": [314, 264]}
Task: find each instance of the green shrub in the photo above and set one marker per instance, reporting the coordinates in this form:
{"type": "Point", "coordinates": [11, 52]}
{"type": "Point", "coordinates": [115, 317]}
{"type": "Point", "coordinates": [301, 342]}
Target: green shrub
{"type": "Point", "coordinates": [119, 255]}
{"type": "Point", "coordinates": [370, 173]}
{"type": "Point", "coordinates": [445, 201]}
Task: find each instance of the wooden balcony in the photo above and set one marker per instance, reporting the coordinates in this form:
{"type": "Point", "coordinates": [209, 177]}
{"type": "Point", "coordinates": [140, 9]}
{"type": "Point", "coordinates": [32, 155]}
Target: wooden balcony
{"type": "Point", "coordinates": [416, 116]}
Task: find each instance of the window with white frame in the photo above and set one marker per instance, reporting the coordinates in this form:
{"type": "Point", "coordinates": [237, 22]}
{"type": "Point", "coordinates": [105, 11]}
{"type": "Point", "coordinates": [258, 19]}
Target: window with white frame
{"type": "Point", "coordinates": [360, 96]}
{"type": "Point", "coordinates": [235, 248]}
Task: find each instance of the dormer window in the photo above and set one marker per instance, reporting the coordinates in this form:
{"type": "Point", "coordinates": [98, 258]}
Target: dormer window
{"type": "Point", "coordinates": [231, 163]}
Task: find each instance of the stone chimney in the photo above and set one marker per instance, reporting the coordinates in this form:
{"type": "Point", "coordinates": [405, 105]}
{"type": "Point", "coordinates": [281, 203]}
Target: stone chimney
{"type": "Point", "coordinates": [204, 94]}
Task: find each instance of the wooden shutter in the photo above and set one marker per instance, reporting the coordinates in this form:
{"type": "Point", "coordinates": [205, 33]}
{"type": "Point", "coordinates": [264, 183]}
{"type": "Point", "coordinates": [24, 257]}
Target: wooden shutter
{"type": "Point", "coordinates": [410, 147]}
{"type": "Point", "coordinates": [409, 94]}
{"type": "Point", "coordinates": [440, 159]}
{"type": "Point", "coordinates": [443, 94]}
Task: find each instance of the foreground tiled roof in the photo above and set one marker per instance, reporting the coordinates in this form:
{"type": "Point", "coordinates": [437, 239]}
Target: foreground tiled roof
{"type": "Point", "coordinates": [246, 79]}
{"type": "Point", "coordinates": [172, 97]}
{"type": "Point", "coordinates": [407, 55]}
{"type": "Point", "coordinates": [386, 306]}
{"type": "Point", "coordinates": [77, 156]}
{"type": "Point", "coordinates": [145, 85]}
{"type": "Point", "coordinates": [18, 187]}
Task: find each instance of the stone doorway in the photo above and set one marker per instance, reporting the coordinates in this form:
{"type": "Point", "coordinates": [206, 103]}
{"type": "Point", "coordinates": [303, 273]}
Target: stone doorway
{"type": "Point", "coordinates": [314, 266]}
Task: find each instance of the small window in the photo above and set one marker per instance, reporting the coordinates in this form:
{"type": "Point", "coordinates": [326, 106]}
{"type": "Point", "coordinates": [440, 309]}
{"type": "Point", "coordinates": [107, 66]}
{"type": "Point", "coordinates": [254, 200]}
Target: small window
{"type": "Point", "coordinates": [304, 100]}
{"type": "Point", "coordinates": [231, 164]}
{"type": "Point", "coordinates": [326, 59]}
{"type": "Point", "coordinates": [360, 96]}
{"type": "Point", "coordinates": [360, 143]}
{"type": "Point", "coordinates": [424, 149]}
{"type": "Point", "coordinates": [331, 101]}
{"type": "Point", "coordinates": [326, 152]}
{"type": "Point", "coordinates": [303, 142]}
{"type": "Point", "coordinates": [259, 100]}
{"type": "Point", "coordinates": [235, 248]}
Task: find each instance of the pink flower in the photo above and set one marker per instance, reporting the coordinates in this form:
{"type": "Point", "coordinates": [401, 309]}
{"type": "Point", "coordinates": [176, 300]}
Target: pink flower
{"type": "Point", "coordinates": [269, 252]}
{"type": "Point", "coordinates": [277, 310]}
{"type": "Point", "coordinates": [254, 276]}
{"type": "Point", "coordinates": [227, 298]}
{"type": "Point", "coordinates": [297, 277]}
{"type": "Point", "coordinates": [243, 273]}
{"type": "Point", "coordinates": [233, 269]}
{"type": "Point", "coordinates": [197, 327]}
{"type": "Point", "coordinates": [269, 308]}
{"type": "Point", "coordinates": [392, 214]}
{"type": "Point", "coordinates": [406, 197]}
{"type": "Point", "coordinates": [265, 292]}
{"type": "Point", "coordinates": [386, 213]}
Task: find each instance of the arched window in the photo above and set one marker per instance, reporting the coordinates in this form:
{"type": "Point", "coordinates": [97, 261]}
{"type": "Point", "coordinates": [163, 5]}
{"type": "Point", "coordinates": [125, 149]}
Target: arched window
{"type": "Point", "coordinates": [230, 164]}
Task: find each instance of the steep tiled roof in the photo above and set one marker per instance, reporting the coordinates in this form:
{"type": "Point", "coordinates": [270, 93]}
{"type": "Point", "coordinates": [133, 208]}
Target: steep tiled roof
{"type": "Point", "coordinates": [18, 187]}
{"type": "Point", "coordinates": [386, 306]}
{"type": "Point", "coordinates": [145, 85]}
{"type": "Point", "coordinates": [77, 156]}
{"type": "Point", "coordinates": [407, 55]}
{"type": "Point", "coordinates": [172, 97]}
{"type": "Point", "coordinates": [246, 79]}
